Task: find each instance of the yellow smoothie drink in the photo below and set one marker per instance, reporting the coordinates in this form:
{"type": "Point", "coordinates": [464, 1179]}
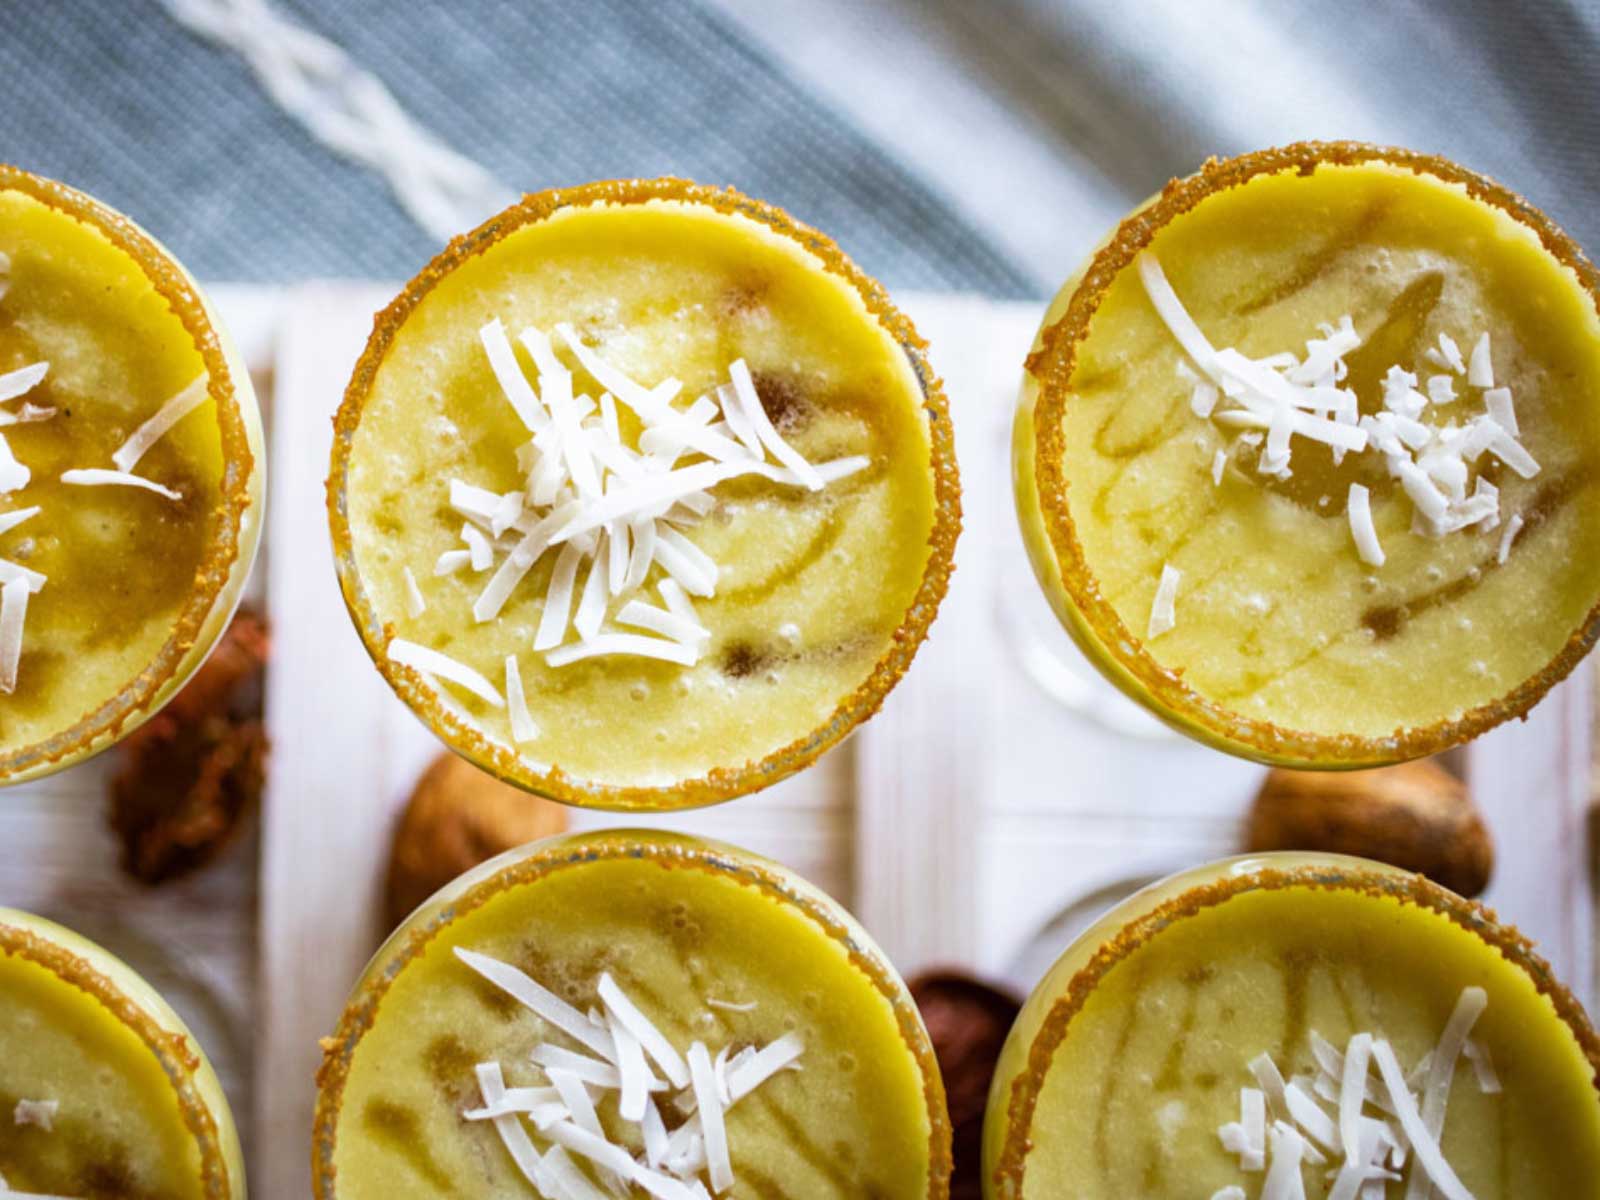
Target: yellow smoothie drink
{"type": "Point", "coordinates": [104, 1095]}
{"type": "Point", "coordinates": [1306, 458]}
{"type": "Point", "coordinates": [643, 495]}
{"type": "Point", "coordinates": [630, 1014]}
{"type": "Point", "coordinates": [1297, 1025]}
{"type": "Point", "coordinates": [130, 476]}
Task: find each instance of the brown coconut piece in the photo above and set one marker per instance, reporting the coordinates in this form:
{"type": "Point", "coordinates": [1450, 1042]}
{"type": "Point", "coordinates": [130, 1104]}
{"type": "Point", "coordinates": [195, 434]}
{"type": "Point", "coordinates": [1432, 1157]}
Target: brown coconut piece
{"type": "Point", "coordinates": [458, 817]}
{"type": "Point", "coordinates": [1416, 816]}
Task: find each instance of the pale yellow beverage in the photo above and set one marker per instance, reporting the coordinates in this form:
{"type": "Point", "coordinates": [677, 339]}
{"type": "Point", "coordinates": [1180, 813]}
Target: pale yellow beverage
{"type": "Point", "coordinates": [104, 1094]}
{"type": "Point", "coordinates": [1419, 557]}
{"type": "Point", "coordinates": [767, 1016]}
{"type": "Point", "coordinates": [130, 477]}
{"type": "Point", "coordinates": [673, 456]}
{"type": "Point", "coordinates": [1128, 1072]}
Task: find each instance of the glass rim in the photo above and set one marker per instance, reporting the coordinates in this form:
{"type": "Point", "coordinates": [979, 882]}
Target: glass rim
{"type": "Point", "coordinates": [526, 866]}
{"type": "Point", "coordinates": [157, 1026]}
{"type": "Point", "coordinates": [231, 536]}
{"type": "Point", "coordinates": [1242, 874]}
{"type": "Point", "coordinates": [1050, 365]}
{"type": "Point", "coordinates": [719, 783]}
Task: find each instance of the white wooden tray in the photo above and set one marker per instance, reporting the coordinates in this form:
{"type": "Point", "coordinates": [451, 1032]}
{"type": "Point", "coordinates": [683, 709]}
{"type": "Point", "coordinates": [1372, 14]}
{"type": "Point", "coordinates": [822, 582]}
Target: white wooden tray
{"type": "Point", "coordinates": [1001, 799]}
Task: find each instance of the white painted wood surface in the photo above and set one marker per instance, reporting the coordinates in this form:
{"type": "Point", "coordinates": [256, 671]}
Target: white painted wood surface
{"type": "Point", "coordinates": [1001, 799]}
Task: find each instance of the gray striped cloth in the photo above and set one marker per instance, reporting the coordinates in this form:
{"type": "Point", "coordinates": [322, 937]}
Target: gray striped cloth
{"type": "Point", "coordinates": [1033, 123]}
{"type": "Point", "coordinates": [116, 98]}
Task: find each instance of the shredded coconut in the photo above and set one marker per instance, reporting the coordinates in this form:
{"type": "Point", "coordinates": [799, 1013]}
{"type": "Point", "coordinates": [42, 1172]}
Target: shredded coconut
{"type": "Point", "coordinates": [1163, 609]}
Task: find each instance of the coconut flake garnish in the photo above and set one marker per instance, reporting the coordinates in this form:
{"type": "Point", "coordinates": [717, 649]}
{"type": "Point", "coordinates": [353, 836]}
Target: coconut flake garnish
{"type": "Point", "coordinates": [566, 1178]}
{"type": "Point", "coordinates": [10, 520]}
{"type": "Point", "coordinates": [13, 475]}
{"type": "Point", "coordinates": [1513, 527]}
{"type": "Point", "coordinates": [415, 604]}
{"type": "Point", "coordinates": [480, 554]}
{"type": "Point", "coordinates": [22, 381]}
{"type": "Point", "coordinates": [544, 1003]}
{"type": "Point", "coordinates": [127, 456]}
{"type": "Point", "coordinates": [592, 498]}
{"type": "Point", "coordinates": [1373, 1149]}
{"type": "Point", "coordinates": [1482, 1067]}
{"type": "Point", "coordinates": [40, 1113]}
{"type": "Point", "coordinates": [1502, 409]}
{"type": "Point", "coordinates": [710, 1104]}
{"type": "Point", "coordinates": [1282, 397]}
{"type": "Point", "coordinates": [1441, 1071]}
{"type": "Point", "coordinates": [1425, 1149]}
{"type": "Point", "coordinates": [564, 1112]}
{"type": "Point", "coordinates": [763, 1065]}
{"type": "Point", "coordinates": [631, 644]}
{"type": "Point", "coordinates": [450, 562]}
{"type": "Point", "coordinates": [1480, 369]}
{"type": "Point", "coordinates": [99, 477]}
{"type": "Point", "coordinates": [10, 571]}
{"type": "Point", "coordinates": [1353, 1095]}
{"type": "Point", "coordinates": [503, 362]}
{"type": "Point", "coordinates": [652, 1039]}
{"type": "Point", "coordinates": [432, 662]}
{"type": "Point", "coordinates": [1359, 508]}
{"type": "Point", "coordinates": [491, 1086]}
{"type": "Point", "coordinates": [1163, 609]}
{"type": "Point", "coordinates": [1285, 1150]}
{"type": "Point", "coordinates": [523, 727]}
{"type": "Point", "coordinates": [13, 612]}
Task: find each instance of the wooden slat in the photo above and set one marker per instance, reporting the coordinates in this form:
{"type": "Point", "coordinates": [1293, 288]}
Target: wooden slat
{"type": "Point", "coordinates": [337, 765]}
{"type": "Point", "coordinates": [1531, 778]}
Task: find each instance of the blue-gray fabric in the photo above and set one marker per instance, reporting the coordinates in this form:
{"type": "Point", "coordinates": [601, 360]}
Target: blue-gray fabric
{"type": "Point", "coordinates": [114, 97]}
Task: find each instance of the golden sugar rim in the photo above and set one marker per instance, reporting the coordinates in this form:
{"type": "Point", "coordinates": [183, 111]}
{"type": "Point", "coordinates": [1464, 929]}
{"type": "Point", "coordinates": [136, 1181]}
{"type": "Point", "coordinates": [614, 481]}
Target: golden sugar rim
{"type": "Point", "coordinates": [1469, 915]}
{"type": "Point", "coordinates": [1052, 364]}
{"type": "Point", "coordinates": [721, 783]}
{"type": "Point", "coordinates": [225, 526]}
{"type": "Point", "coordinates": [670, 851]}
{"type": "Point", "coordinates": [174, 1049]}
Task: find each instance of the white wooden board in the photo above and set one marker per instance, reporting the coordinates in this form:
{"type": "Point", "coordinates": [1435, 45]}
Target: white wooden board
{"type": "Point", "coordinates": [1002, 798]}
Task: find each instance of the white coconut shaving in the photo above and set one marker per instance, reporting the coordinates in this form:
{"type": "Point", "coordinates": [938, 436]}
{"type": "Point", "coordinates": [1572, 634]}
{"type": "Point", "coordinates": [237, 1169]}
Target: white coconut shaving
{"type": "Point", "coordinates": [13, 475]}
{"type": "Point", "coordinates": [1378, 1129]}
{"type": "Point", "coordinates": [1365, 533]}
{"type": "Point", "coordinates": [711, 1106]}
{"type": "Point", "coordinates": [99, 477]}
{"type": "Point", "coordinates": [655, 1043]}
{"type": "Point", "coordinates": [39, 1113]}
{"type": "Point", "coordinates": [1163, 609]}
{"type": "Point", "coordinates": [1286, 398]}
{"type": "Point", "coordinates": [127, 456]}
{"type": "Point", "coordinates": [1480, 369]}
{"type": "Point", "coordinates": [22, 381]}
{"type": "Point", "coordinates": [13, 613]}
{"type": "Point", "coordinates": [416, 605]}
{"type": "Point", "coordinates": [450, 562]}
{"type": "Point", "coordinates": [1482, 1067]}
{"type": "Point", "coordinates": [523, 726]}
{"type": "Point", "coordinates": [676, 1163]}
{"type": "Point", "coordinates": [612, 513]}
{"type": "Point", "coordinates": [1508, 538]}
{"type": "Point", "coordinates": [10, 520]}
{"type": "Point", "coordinates": [432, 663]}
